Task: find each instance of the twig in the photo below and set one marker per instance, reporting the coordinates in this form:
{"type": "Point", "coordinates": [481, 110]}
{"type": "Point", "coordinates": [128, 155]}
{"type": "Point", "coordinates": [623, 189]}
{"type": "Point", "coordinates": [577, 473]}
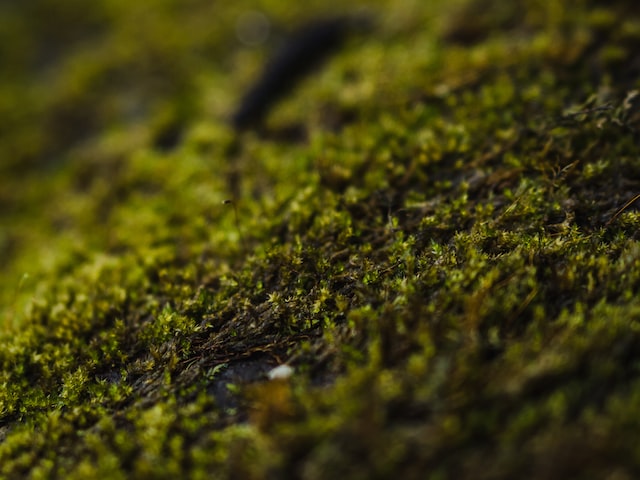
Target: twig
{"type": "Point", "coordinates": [626, 205]}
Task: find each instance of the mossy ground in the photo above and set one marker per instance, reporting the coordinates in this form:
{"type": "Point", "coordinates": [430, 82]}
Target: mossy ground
{"type": "Point", "coordinates": [429, 231]}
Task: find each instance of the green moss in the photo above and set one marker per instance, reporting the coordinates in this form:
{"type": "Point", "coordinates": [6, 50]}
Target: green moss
{"type": "Point", "coordinates": [433, 230]}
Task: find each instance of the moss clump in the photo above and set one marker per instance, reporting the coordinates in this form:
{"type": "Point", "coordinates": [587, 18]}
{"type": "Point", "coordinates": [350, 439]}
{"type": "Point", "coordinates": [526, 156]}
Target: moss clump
{"type": "Point", "coordinates": [434, 231]}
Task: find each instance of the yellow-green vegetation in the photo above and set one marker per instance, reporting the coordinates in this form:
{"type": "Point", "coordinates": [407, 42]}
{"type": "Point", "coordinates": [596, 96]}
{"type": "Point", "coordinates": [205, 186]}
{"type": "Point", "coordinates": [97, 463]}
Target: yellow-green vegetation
{"type": "Point", "coordinates": [433, 230]}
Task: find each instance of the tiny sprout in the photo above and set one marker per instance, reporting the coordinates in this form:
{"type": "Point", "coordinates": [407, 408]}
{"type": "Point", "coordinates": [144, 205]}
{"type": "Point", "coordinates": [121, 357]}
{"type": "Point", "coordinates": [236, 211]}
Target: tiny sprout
{"type": "Point", "coordinates": [237, 221]}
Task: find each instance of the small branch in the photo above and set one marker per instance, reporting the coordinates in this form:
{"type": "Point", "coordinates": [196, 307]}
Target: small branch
{"type": "Point", "coordinates": [626, 205]}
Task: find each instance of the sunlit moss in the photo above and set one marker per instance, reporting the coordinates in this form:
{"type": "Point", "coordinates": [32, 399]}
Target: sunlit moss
{"type": "Point", "coordinates": [436, 231]}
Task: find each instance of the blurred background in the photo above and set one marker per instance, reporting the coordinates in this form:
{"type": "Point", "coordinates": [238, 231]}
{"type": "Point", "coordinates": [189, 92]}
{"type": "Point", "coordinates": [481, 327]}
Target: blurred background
{"type": "Point", "coordinates": [96, 99]}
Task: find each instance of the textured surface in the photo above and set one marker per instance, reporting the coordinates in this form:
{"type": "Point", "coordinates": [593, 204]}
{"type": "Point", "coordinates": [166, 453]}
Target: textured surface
{"type": "Point", "coordinates": [430, 229]}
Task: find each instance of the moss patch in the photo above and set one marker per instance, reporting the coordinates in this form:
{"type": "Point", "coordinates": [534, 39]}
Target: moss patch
{"type": "Point", "coordinates": [434, 230]}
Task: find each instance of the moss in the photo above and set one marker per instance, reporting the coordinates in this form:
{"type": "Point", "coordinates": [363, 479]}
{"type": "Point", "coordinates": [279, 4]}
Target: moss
{"type": "Point", "coordinates": [436, 231]}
